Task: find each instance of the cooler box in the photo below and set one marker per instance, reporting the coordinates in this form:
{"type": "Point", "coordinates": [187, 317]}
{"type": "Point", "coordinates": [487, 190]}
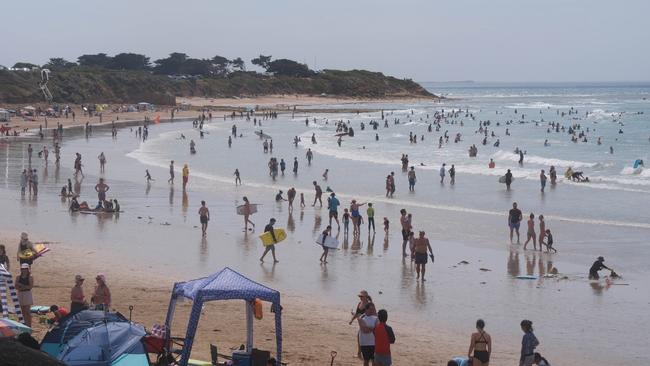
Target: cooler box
{"type": "Point", "coordinates": [242, 359]}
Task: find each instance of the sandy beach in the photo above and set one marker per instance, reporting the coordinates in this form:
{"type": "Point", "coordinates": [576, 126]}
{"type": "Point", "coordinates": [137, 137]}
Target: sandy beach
{"type": "Point", "coordinates": [311, 328]}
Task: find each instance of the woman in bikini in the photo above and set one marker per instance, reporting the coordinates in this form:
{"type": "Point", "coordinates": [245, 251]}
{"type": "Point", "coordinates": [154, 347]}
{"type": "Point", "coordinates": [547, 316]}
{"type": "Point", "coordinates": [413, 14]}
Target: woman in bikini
{"type": "Point", "coordinates": [247, 214]}
{"type": "Point", "coordinates": [364, 299]}
{"type": "Point", "coordinates": [481, 344]}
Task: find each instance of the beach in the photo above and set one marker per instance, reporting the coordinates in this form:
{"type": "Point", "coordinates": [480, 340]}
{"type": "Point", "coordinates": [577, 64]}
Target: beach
{"type": "Point", "coordinates": [156, 241]}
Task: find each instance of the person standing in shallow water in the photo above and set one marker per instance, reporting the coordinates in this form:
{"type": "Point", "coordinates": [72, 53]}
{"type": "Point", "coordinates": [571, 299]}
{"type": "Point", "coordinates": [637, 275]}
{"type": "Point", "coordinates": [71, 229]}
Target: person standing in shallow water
{"type": "Point", "coordinates": [481, 344]}
{"type": "Point", "coordinates": [186, 175]}
{"type": "Point", "coordinates": [420, 246]}
{"type": "Point", "coordinates": [171, 173]}
{"type": "Point", "coordinates": [528, 344]}
{"type": "Point", "coordinates": [204, 217]}
{"type": "Point", "coordinates": [514, 220]}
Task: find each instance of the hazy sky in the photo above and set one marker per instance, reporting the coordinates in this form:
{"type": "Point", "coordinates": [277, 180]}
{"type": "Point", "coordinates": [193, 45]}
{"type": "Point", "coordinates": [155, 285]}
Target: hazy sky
{"type": "Point", "coordinates": [484, 40]}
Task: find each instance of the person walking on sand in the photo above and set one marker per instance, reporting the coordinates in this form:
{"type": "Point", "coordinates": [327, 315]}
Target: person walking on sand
{"type": "Point", "coordinates": [101, 188]}
{"type": "Point", "coordinates": [101, 298]}
{"type": "Point", "coordinates": [30, 152]}
{"type": "Point", "coordinates": [77, 297]}
{"type": "Point", "coordinates": [302, 200]}
{"type": "Point", "coordinates": [291, 196]}
{"type": "Point", "coordinates": [24, 285]}
{"type": "Point", "coordinates": [269, 229]}
{"type": "Point", "coordinates": [412, 179]}
{"type": "Point", "coordinates": [319, 194]}
{"type": "Point", "coordinates": [528, 344]}
{"type": "Point", "coordinates": [327, 232]}
{"type": "Point", "coordinates": [325, 174]}
{"type": "Point", "coordinates": [514, 220]}
{"type": "Point", "coordinates": [204, 217]}
{"type": "Point", "coordinates": [367, 324]}
{"type": "Point", "coordinates": [186, 175]}
{"type": "Point", "coordinates": [333, 207]}
{"type": "Point", "coordinates": [147, 175]}
{"type": "Point", "coordinates": [452, 175]}
{"type": "Point", "coordinates": [24, 180]}
{"type": "Point", "coordinates": [370, 212]}
{"type": "Point", "coordinates": [420, 246]}
{"type": "Point", "coordinates": [384, 337]}
{"type": "Point", "coordinates": [247, 213]}
{"type": "Point", "coordinates": [442, 173]}
{"type": "Point", "coordinates": [295, 166]}
{"type": "Point", "coordinates": [405, 221]}
{"type": "Point", "coordinates": [237, 177]}
{"type": "Point", "coordinates": [102, 162]}
{"type": "Point", "coordinates": [481, 344]}
{"type": "Point", "coordinates": [171, 173]}
{"type": "Point", "coordinates": [530, 233]}
{"type": "Point", "coordinates": [310, 156]}
{"type": "Point", "coordinates": [34, 179]}
{"type": "Point", "coordinates": [77, 165]}
{"type": "Point", "coordinates": [542, 180]}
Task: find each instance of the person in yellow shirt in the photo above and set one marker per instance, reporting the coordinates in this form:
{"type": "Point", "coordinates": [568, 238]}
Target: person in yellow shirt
{"type": "Point", "coordinates": [370, 212]}
{"type": "Point", "coordinates": [186, 175]}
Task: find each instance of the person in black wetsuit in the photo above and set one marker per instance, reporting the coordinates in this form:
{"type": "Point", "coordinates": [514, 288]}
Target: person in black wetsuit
{"type": "Point", "coordinates": [597, 266]}
{"type": "Point", "coordinates": [269, 228]}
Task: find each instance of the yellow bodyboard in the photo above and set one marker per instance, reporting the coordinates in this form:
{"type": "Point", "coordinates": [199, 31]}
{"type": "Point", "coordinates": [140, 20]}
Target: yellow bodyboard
{"type": "Point", "coordinates": [267, 239]}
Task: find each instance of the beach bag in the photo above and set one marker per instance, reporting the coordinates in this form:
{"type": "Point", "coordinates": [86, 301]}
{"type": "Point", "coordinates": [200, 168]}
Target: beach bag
{"type": "Point", "coordinates": [391, 334]}
{"type": "Point", "coordinates": [257, 309]}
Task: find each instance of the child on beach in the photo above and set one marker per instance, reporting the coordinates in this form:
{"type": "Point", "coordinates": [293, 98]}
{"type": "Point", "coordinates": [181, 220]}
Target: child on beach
{"type": "Point", "coordinates": [346, 221]}
{"type": "Point", "coordinates": [326, 233]}
{"type": "Point", "coordinates": [386, 224]}
{"type": "Point", "coordinates": [549, 242]}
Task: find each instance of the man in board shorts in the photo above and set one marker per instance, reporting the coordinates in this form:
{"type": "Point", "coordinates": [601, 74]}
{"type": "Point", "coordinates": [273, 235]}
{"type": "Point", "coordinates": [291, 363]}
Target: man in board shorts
{"type": "Point", "coordinates": [333, 205]}
{"type": "Point", "coordinates": [101, 189]}
{"type": "Point", "coordinates": [421, 244]}
{"type": "Point", "coordinates": [514, 219]}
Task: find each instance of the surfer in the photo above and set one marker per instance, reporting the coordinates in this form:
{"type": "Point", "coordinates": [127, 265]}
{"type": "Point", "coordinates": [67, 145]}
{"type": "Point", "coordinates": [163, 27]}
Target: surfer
{"type": "Point", "coordinates": [327, 232]}
{"type": "Point", "coordinates": [597, 266]}
{"type": "Point", "coordinates": [269, 229]}
{"type": "Point", "coordinates": [420, 246]}
{"type": "Point", "coordinates": [204, 217]}
{"type": "Point", "coordinates": [247, 211]}
{"type": "Point", "coordinates": [514, 219]}
{"type": "Point", "coordinates": [508, 179]}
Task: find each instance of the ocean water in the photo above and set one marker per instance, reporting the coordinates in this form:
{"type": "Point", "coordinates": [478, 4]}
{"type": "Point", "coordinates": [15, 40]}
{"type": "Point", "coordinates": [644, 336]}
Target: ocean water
{"type": "Point", "coordinates": [575, 319]}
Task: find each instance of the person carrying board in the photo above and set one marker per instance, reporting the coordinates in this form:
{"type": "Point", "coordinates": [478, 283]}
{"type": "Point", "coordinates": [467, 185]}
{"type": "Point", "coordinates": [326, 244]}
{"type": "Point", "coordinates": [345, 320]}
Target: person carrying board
{"type": "Point", "coordinates": [269, 229]}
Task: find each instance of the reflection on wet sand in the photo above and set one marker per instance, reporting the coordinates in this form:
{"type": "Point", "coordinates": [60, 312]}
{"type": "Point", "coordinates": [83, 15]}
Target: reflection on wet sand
{"type": "Point", "coordinates": [513, 263]}
{"type": "Point", "coordinates": [171, 196]}
{"type": "Point", "coordinates": [317, 223]}
{"type": "Point", "coordinates": [204, 250]}
{"type": "Point", "coordinates": [185, 204]}
{"type": "Point", "coordinates": [291, 224]}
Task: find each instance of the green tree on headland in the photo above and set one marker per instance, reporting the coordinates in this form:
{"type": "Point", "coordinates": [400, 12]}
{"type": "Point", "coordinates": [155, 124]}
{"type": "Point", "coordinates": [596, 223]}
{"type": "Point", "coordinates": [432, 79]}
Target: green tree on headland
{"type": "Point", "coordinates": [262, 61]}
{"type": "Point", "coordinates": [238, 64]}
{"type": "Point", "coordinates": [170, 65]}
{"type": "Point", "coordinates": [287, 67]}
{"type": "Point", "coordinates": [59, 63]}
{"type": "Point", "coordinates": [129, 61]}
{"type": "Point", "coordinates": [98, 60]}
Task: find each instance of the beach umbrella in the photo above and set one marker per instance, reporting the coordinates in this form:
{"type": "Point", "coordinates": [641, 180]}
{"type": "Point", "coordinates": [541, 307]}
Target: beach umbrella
{"type": "Point", "coordinates": [11, 328]}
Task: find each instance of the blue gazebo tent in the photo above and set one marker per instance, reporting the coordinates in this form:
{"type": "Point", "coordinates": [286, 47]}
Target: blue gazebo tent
{"type": "Point", "coordinates": [224, 285]}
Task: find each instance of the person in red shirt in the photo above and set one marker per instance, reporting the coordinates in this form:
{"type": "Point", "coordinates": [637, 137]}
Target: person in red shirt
{"type": "Point", "coordinates": [57, 314]}
{"type": "Point", "coordinates": [384, 336]}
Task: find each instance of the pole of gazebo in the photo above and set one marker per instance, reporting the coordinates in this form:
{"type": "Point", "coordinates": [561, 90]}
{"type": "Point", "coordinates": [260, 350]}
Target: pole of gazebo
{"type": "Point", "coordinates": [249, 327]}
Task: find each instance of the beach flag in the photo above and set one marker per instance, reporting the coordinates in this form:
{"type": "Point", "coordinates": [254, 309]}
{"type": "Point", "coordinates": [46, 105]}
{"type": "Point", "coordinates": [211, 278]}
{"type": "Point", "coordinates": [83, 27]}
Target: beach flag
{"type": "Point", "coordinates": [6, 282]}
{"type": "Point", "coordinates": [157, 119]}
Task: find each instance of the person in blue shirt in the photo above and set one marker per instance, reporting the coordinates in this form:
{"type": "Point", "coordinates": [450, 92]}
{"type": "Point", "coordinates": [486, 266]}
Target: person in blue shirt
{"type": "Point", "coordinates": [333, 205]}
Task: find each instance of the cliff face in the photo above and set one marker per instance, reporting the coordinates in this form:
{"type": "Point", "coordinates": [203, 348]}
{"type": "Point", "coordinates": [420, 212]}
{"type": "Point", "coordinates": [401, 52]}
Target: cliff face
{"type": "Point", "coordinates": [92, 85]}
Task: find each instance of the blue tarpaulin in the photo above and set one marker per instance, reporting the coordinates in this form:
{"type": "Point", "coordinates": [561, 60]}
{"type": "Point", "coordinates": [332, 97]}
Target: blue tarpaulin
{"type": "Point", "coordinates": [224, 285]}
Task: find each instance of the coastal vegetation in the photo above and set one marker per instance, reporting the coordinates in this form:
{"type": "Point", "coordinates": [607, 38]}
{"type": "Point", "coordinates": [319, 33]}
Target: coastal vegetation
{"type": "Point", "coordinates": [130, 77]}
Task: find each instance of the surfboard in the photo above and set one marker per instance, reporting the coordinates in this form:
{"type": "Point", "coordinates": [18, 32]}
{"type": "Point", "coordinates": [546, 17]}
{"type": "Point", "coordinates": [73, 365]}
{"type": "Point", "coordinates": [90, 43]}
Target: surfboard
{"type": "Point", "coordinates": [526, 277]}
{"type": "Point", "coordinates": [267, 239]}
{"type": "Point", "coordinates": [253, 209]}
{"type": "Point", "coordinates": [40, 249]}
{"type": "Point", "coordinates": [263, 135]}
{"type": "Point", "coordinates": [330, 241]}
{"type": "Point", "coordinates": [502, 179]}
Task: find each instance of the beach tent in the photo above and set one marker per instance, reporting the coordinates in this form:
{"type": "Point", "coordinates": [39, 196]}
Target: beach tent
{"type": "Point", "coordinates": [224, 285]}
{"type": "Point", "coordinates": [107, 344]}
{"type": "Point", "coordinates": [5, 115]}
{"type": "Point", "coordinates": [7, 286]}
{"type": "Point", "coordinates": [144, 106]}
{"type": "Point", "coordinates": [70, 326]}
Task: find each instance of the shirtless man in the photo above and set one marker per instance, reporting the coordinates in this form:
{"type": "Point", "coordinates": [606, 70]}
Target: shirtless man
{"type": "Point", "coordinates": [420, 246]}
{"type": "Point", "coordinates": [514, 219]}
{"type": "Point", "coordinates": [406, 229]}
{"type": "Point", "coordinates": [530, 233]}
{"type": "Point", "coordinates": [318, 196]}
{"type": "Point", "coordinates": [204, 217]}
{"type": "Point", "coordinates": [101, 188]}
{"type": "Point", "coordinates": [291, 195]}
{"type": "Point", "coordinates": [412, 178]}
